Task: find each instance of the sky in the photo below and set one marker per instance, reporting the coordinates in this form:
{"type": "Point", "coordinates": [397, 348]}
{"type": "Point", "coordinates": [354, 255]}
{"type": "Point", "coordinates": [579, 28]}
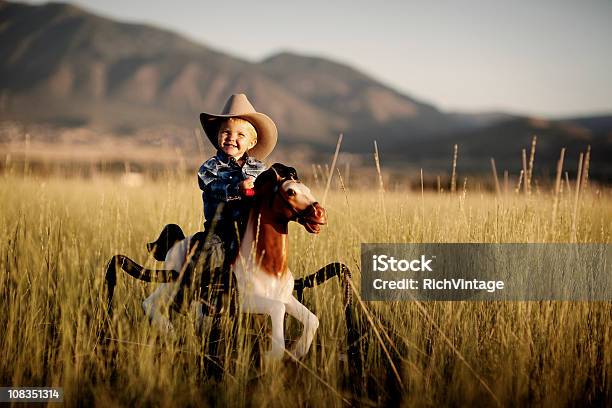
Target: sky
{"type": "Point", "coordinates": [549, 58]}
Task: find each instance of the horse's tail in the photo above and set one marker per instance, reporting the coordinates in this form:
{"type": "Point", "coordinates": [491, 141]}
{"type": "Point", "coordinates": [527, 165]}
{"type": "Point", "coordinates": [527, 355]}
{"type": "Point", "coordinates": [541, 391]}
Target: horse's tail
{"type": "Point", "coordinates": [328, 271]}
{"type": "Point", "coordinates": [136, 271]}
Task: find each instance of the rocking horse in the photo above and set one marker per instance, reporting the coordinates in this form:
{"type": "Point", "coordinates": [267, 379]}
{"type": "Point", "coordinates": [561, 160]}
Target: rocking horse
{"type": "Point", "coordinates": [260, 281]}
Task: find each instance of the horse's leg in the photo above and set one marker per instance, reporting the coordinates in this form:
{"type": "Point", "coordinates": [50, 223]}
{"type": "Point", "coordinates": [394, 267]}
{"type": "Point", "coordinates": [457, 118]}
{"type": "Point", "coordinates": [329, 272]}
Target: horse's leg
{"type": "Point", "coordinates": [153, 305]}
{"type": "Point", "coordinates": [276, 310]}
{"type": "Point", "coordinates": [197, 313]}
{"type": "Point", "coordinates": [321, 276]}
{"type": "Point", "coordinates": [310, 322]}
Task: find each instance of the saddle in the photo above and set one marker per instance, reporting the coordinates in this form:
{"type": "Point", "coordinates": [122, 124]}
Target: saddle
{"type": "Point", "coordinates": [207, 274]}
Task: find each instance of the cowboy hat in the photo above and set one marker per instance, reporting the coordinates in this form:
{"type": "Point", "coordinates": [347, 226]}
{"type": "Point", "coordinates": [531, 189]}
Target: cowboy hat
{"type": "Point", "coordinates": [238, 106]}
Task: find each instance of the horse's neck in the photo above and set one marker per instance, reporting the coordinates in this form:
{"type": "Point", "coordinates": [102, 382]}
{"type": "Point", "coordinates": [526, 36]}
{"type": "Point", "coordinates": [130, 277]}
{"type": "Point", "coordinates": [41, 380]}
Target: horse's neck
{"type": "Point", "coordinates": [271, 239]}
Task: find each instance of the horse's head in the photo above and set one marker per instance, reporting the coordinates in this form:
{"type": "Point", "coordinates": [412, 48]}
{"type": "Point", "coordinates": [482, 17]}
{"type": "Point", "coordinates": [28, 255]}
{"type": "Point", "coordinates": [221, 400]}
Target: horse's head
{"type": "Point", "coordinates": [289, 198]}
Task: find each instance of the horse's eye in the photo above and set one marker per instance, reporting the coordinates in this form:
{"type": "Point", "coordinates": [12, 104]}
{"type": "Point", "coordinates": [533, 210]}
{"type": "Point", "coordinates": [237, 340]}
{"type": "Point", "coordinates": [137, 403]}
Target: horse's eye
{"type": "Point", "coordinates": [290, 192]}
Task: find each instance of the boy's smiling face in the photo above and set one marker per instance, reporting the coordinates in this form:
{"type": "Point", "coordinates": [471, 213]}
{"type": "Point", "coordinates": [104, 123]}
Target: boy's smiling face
{"type": "Point", "coordinates": [235, 137]}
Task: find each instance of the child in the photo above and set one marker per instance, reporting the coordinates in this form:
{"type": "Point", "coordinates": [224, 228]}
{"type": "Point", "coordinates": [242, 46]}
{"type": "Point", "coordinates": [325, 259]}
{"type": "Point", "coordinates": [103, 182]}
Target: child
{"type": "Point", "coordinates": [242, 137]}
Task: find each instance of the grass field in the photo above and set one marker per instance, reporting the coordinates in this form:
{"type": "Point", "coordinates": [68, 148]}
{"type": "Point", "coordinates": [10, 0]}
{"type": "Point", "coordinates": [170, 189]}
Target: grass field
{"type": "Point", "coordinates": [57, 234]}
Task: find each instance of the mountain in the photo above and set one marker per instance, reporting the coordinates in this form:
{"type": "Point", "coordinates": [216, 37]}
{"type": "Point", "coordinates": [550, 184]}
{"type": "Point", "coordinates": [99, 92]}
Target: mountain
{"type": "Point", "coordinates": [63, 66]}
{"type": "Point", "coordinates": [66, 66]}
{"type": "Point", "coordinates": [482, 119]}
{"type": "Point", "coordinates": [367, 107]}
{"type": "Point", "coordinates": [597, 124]}
{"type": "Point", "coordinates": [504, 141]}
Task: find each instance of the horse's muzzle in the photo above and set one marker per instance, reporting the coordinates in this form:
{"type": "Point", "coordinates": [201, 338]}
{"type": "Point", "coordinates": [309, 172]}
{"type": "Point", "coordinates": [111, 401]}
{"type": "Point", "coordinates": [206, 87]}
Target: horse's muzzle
{"type": "Point", "coordinates": [313, 217]}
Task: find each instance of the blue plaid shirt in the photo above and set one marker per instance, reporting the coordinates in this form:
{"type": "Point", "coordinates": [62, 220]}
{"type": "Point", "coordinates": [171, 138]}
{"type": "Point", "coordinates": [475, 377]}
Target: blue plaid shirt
{"type": "Point", "coordinates": [219, 178]}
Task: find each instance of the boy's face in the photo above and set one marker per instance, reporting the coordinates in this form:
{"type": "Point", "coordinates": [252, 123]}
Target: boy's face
{"type": "Point", "coordinates": [236, 137]}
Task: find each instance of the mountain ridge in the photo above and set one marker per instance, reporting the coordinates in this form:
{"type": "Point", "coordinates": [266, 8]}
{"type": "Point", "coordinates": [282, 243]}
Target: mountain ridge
{"type": "Point", "coordinates": [77, 59]}
{"type": "Point", "coordinates": [65, 66]}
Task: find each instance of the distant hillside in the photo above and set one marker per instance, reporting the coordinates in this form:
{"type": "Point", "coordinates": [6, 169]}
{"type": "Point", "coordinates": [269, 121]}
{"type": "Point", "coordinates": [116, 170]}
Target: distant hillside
{"type": "Point", "coordinates": [503, 142]}
{"type": "Point", "coordinates": [67, 66]}
{"type": "Point", "coordinates": [595, 124]}
{"type": "Point", "coordinates": [64, 66]}
{"type": "Point", "coordinates": [368, 107]}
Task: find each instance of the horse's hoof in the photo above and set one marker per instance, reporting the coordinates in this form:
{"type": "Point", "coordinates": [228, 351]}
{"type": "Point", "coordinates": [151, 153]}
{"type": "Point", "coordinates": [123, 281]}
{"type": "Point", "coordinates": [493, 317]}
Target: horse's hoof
{"type": "Point", "coordinates": [162, 324]}
{"type": "Point", "coordinates": [274, 355]}
{"type": "Point", "coordinates": [299, 350]}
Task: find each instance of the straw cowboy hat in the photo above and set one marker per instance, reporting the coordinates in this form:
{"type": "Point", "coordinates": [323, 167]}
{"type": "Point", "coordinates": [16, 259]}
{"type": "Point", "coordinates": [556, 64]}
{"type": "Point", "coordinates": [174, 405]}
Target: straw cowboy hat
{"type": "Point", "coordinates": [238, 106]}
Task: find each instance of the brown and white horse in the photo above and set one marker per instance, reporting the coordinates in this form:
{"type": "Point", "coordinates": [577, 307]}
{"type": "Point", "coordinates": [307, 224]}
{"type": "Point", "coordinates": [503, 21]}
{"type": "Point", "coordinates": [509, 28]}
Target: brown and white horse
{"type": "Point", "coordinates": [263, 279]}
{"type": "Point", "coordinates": [265, 283]}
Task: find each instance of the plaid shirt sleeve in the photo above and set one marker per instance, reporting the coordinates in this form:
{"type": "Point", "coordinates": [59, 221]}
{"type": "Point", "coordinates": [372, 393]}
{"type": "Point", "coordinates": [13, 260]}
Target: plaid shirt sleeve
{"type": "Point", "coordinates": [216, 183]}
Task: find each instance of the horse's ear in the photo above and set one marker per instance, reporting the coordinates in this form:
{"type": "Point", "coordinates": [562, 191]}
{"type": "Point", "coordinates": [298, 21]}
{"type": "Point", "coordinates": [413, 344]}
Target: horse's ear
{"type": "Point", "coordinates": [285, 172]}
{"type": "Point", "coordinates": [292, 173]}
{"type": "Point", "coordinates": [268, 176]}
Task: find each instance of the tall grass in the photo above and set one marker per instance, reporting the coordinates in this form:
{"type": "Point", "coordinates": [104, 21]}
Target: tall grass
{"type": "Point", "coordinates": [57, 234]}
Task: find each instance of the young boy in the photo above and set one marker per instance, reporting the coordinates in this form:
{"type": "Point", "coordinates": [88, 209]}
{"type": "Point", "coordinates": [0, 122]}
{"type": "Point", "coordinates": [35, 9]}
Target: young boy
{"type": "Point", "coordinates": [243, 137]}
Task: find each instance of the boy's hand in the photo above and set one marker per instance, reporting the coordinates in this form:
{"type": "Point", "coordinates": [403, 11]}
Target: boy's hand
{"type": "Point", "coordinates": [246, 186]}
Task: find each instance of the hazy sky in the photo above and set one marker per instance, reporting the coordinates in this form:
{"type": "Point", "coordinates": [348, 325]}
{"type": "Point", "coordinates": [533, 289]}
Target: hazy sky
{"type": "Point", "coordinates": [547, 57]}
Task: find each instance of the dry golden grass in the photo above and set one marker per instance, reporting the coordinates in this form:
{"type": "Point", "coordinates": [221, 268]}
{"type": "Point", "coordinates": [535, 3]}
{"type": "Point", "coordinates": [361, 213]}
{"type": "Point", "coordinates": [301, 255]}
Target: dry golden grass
{"type": "Point", "coordinates": [57, 234]}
